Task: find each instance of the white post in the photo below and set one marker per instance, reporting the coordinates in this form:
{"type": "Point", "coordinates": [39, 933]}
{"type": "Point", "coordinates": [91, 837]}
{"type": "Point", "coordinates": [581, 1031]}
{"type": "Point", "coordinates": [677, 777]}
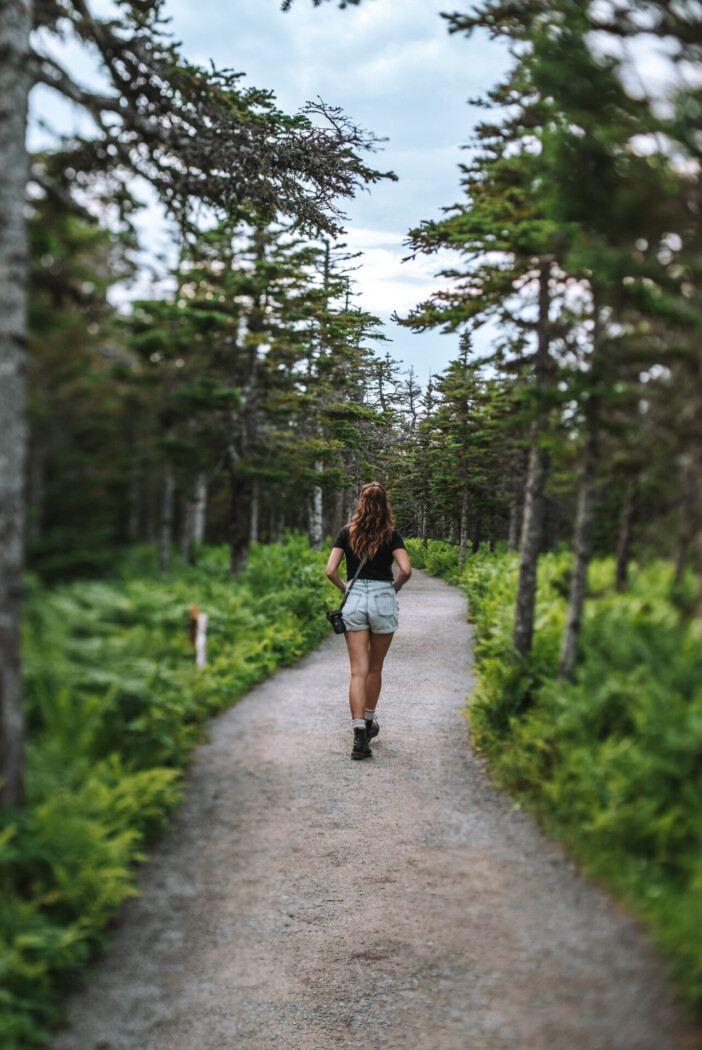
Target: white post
{"type": "Point", "coordinates": [201, 640]}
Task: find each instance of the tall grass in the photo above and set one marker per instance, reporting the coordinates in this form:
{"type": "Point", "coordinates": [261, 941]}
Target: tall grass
{"type": "Point", "coordinates": [611, 763]}
{"type": "Point", "coordinates": [114, 709]}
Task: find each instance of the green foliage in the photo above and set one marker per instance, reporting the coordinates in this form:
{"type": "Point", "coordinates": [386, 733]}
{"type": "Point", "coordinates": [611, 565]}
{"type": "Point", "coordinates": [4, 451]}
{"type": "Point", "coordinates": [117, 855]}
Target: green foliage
{"type": "Point", "coordinates": [610, 763]}
{"type": "Point", "coordinates": [114, 709]}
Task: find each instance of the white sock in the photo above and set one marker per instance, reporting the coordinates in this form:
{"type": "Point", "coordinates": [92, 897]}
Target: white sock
{"type": "Point", "coordinates": [370, 715]}
{"type": "Point", "coordinates": [358, 723]}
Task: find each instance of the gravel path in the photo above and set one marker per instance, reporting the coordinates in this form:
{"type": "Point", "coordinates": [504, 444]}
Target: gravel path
{"type": "Point", "coordinates": [308, 902]}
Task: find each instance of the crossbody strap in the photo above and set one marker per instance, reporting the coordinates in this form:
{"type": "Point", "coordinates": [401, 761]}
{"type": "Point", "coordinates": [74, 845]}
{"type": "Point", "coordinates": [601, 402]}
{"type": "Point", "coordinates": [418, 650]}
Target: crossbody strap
{"type": "Point", "coordinates": [350, 585]}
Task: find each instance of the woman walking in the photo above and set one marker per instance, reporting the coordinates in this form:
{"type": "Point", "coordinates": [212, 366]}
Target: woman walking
{"type": "Point", "coordinates": [371, 611]}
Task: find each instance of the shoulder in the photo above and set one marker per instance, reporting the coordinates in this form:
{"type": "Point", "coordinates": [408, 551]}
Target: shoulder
{"type": "Point", "coordinates": [342, 538]}
{"type": "Point", "coordinates": [397, 543]}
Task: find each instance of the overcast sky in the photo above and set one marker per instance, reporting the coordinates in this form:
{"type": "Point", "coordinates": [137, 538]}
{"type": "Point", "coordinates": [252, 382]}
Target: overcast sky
{"type": "Point", "coordinates": [392, 66]}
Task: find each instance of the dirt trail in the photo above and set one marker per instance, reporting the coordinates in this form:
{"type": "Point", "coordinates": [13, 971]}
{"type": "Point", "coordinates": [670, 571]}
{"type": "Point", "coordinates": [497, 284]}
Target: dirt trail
{"type": "Point", "coordinates": [308, 902]}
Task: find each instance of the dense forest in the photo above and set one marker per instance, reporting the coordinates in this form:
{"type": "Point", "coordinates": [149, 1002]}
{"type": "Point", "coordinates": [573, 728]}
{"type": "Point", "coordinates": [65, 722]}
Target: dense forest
{"type": "Point", "coordinates": [253, 400]}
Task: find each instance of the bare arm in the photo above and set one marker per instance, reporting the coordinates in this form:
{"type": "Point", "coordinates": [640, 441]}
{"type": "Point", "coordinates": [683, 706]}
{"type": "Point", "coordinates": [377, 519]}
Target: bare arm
{"type": "Point", "coordinates": [402, 558]}
{"type": "Point", "coordinates": [333, 564]}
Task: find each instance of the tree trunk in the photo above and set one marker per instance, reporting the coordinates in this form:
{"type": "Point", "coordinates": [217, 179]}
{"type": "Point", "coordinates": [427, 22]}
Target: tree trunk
{"type": "Point", "coordinates": [582, 545]}
{"type": "Point", "coordinates": [453, 532]}
{"type": "Point", "coordinates": [239, 522]}
{"type": "Point", "coordinates": [513, 535]}
{"type": "Point", "coordinates": [15, 28]}
{"type": "Point", "coordinates": [477, 534]}
{"type": "Point", "coordinates": [626, 534]}
{"type": "Point", "coordinates": [463, 541]}
{"type": "Point", "coordinates": [339, 520]}
{"type": "Point", "coordinates": [530, 545]}
{"type": "Point", "coordinates": [687, 525]}
{"type": "Point", "coordinates": [316, 527]}
{"type": "Point", "coordinates": [537, 472]}
{"type": "Point", "coordinates": [133, 500]}
{"type": "Point", "coordinates": [280, 529]}
{"type": "Point", "coordinates": [200, 510]}
{"type": "Point", "coordinates": [165, 532]}
{"type": "Point", "coordinates": [424, 526]}
{"type": "Point", "coordinates": [253, 524]}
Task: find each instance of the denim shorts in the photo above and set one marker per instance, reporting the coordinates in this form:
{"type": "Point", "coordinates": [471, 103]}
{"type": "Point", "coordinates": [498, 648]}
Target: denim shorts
{"type": "Point", "coordinates": [372, 605]}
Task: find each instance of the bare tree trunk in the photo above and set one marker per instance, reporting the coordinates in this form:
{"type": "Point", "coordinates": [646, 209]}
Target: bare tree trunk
{"type": "Point", "coordinates": [532, 521]}
{"type": "Point", "coordinates": [537, 472]}
{"type": "Point", "coordinates": [463, 542]}
{"type": "Point", "coordinates": [134, 494]}
{"type": "Point", "coordinates": [15, 28]}
{"type": "Point", "coordinates": [582, 551]}
{"type": "Point", "coordinates": [477, 534]}
{"type": "Point", "coordinates": [513, 534]}
{"type": "Point", "coordinates": [239, 523]}
{"type": "Point", "coordinates": [165, 532]}
{"type": "Point", "coordinates": [200, 510]}
{"type": "Point", "coordinates": [253, 524]}
{"type": "Point", "coordinates": [582, 543]}
{"type": "Point", "coordinates": [453, 531]}
{"type": "Point", "coordinates": [339, 520]}
{"type": "Point", "coordinates": [316, 508]}
{"type": "Point", "coordinates": [187, 524]}
{"type": "Point", "coordinates": [424, 526]}
{"type": "Point", "coordinates": [626, 535]}
{"type": "Point", "coordinates": [687, 526]}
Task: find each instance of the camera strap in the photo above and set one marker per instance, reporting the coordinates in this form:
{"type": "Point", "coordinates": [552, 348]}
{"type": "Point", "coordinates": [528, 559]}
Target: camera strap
{"type": "Point", "coordinates": [350, 585]}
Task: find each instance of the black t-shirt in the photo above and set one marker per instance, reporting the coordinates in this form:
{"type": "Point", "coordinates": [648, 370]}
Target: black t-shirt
{"type": "Point", "coordinates": [380, 565]}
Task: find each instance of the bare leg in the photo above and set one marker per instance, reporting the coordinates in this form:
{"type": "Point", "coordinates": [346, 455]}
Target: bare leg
{"type": "Point", "coordinates": [357, 643]}
{"type": "Point", "coordinates": [377, 651]}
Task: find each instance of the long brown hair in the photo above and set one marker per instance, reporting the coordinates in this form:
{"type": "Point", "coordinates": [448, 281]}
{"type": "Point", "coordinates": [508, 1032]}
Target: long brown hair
{"type": "Point", "coordinates": [373, 521]}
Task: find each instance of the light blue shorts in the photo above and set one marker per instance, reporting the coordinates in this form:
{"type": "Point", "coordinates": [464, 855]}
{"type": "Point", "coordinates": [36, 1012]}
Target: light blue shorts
{"type": "Point", "coordinates": [372, 605]}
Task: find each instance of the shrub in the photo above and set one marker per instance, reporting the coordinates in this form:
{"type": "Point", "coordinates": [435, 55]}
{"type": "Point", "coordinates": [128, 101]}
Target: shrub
{"type": "Point", "coordinates": [114, 709]}
{"type": "Point", "coordinates": [612, 762]}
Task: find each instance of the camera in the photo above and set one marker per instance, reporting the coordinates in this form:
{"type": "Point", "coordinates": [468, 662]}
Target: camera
{"type": "Point", "coordinates": [336, 620]}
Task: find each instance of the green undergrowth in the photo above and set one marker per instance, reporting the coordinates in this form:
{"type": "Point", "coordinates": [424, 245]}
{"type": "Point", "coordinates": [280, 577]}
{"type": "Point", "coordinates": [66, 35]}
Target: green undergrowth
{"type": "Point", "coordinates": [612, 763]}
{"type": "Point", "coordinates": [115, 706]}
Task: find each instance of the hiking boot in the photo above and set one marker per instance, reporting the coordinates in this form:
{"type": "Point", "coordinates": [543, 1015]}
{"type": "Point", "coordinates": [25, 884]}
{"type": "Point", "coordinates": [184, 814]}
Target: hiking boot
{"type": "Point", "coordinates": [372, 729]}
{"type": "Point", "coordinates": [360, 745]}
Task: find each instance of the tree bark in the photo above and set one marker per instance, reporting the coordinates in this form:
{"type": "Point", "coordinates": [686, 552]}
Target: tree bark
{"type": "Point", "coordinates": [463, 541]}
{"type": "Point", "coordinates": [133, 500]}
{"type": "Point", "coordinates": [626, 535]}
{"type": "Point", "coordinates": [477, 534]}
{"type": "Point", "coordinates": [687, 525]}
{"type": "Point", "coordinates": [338, 519]}
{"type": "Point", "coordinates": [582, 545]}
{"type": "Point", "coordinates": [316, 526]}
{"type": "Point", "coordinates": [424, 526]}
{"type": "Point", "coordinates": [537, 472]}
{"type": "Point", "coordinates": [513, 534]}
{"type": "Point", "coordinates": [253, 523]}
{"type": "Point", "coordinates": [15, 28]}
{"type": "Point", "coordinates": [165, 532]}
{"type": "Point", "coordinates": [200, 510]}
{"type": "Point", "coordinates": [239, 522]}
{"type": "Point", "coordinates": [187, 515]}
{"type": "Point", "coordinates": [280, 529]}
